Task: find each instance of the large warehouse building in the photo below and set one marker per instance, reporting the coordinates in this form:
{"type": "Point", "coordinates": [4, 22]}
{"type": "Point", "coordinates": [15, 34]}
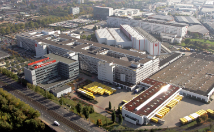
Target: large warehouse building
{"type": "Point", "coordinates": [131, 37]}
{"type": "Point", "coordinates": [172, 30]}
{"type": "Point", "coordinates": [147, 104]}
{"type": "Point", "coordinates": [193, 73]}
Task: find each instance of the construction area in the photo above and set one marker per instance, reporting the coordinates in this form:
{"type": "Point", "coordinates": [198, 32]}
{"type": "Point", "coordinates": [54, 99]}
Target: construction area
{"type": "Point", "coordinates": [193, 73]}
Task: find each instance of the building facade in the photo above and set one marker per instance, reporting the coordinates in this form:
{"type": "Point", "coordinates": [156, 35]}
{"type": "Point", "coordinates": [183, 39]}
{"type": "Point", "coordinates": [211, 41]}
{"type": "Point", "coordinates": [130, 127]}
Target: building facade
{"type": "Point", "coordinates": [148, 103]}
{"type": "Point", "coordinates": [74, 10]}
{"type": "Point", "coordinates": [102, 12]}
{"type": "Point", "coordinates": [152, 26]}
{"type": "Point", "coordinates": [51, 69]}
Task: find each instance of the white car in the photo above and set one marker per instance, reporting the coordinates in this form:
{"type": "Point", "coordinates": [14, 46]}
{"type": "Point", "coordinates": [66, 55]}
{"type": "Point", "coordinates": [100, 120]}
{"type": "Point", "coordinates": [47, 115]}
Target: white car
{"type": "Point", "coordinates": [56, 123]}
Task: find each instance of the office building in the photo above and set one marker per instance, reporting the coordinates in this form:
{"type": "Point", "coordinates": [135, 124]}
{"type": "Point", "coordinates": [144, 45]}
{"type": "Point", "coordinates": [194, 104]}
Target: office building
{"type": "Point", "coordinates": [102, 12]}
{"type": "Point", "coordinates": [74, 10]}
{"type": "Point", "coordinates": [80, 1]}
{"type": "Point", "coordinates": [52, 71]}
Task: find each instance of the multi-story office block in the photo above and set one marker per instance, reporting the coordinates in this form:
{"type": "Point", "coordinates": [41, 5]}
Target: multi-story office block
{"type": "Point", "coordinates": [51, 69]}
{"type": "Point", "coordinates": [102, 12]}
{"type": "Point", "coordinates": [74, 10]}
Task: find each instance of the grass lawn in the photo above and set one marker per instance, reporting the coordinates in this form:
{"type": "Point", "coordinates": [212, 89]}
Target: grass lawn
{"type": "Point", "coordinates": [203, 41]}
{"type": "Point", "coordinates": [111, 126]}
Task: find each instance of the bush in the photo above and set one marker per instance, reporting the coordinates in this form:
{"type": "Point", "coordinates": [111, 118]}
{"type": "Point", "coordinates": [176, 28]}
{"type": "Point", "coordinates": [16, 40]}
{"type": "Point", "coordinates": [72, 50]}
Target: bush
{"type": "Point", "coordinates": [99, 122]}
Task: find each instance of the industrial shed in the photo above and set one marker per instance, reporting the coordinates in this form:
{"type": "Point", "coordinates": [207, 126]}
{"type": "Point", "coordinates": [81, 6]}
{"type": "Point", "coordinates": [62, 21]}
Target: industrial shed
{"type": "Point", "coordinates": [59, 91]}
{"type": "Point", "coordinates": [187, 19]}
{"type": "Point", "coordinates": [199, 29]}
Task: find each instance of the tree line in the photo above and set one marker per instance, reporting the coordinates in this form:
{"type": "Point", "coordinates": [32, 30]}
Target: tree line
{"type": "Point", "coordinates": [41, 23]}
{"type": "Point", "coordinates": [15, 115]}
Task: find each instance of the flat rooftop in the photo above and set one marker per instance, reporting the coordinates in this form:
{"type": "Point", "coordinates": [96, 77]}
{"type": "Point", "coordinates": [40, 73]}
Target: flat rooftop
{"type": "Point", "coordinates": [198, 29]}
{"type": "Point", "coordinates": [83, 44]}
{"type": "Point", "coordinates": [165, 23]}
{"type": "Point", "coordinates": [162, 17]}
{"type": "Point", "coordinates": [187, 19]}
{"type": "Point", "coordinates": [194, 73]}
{"type": "Point", "coordinates": [3, 54]}
{"type": "Point", "coordinates": [60, 58]}
{"type": "Point", "coordinates": [59, 89]}
{"type": "Point", "coordinates": [159, 91]}
{"type": "Point", "coordinates": [46, 85]}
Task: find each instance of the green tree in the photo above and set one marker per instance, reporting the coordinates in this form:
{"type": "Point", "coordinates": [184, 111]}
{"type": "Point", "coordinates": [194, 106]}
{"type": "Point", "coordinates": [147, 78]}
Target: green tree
{"type": "Point", "coordinates": [99, 122]}
{"type": "Point", "coordinates": [198, 120]}
{"type": "Point", "coordinates": [120, 119]}
{"type": "Point", "coordinates": [113, 116]}
{"type": "Point", "coordinates": [3, 32]}
{"type": "Point", "coordinates": [8, 30]}
{"type": "Point", "coordinates": [187, 41]}
{"type": "Point", "coordinates": [109, 105]}
{"type": "Point", "coordinates": [95, 27]}
{"type": "Point", "coordinates": [91, 109]}
{"type": "Point", "coordinates": [79, 108]}
{"type": "Point", "coordinates": [89, 37]}
{"type": "Point", "coordinates": [83, 37]}
{"type": "Point", "coordinates": [86, 112]}
{"type": "Point", "coordinates": [118, 110]}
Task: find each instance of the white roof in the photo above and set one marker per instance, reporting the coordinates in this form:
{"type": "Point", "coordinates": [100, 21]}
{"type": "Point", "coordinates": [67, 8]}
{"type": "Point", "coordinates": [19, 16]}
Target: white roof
{"type": "Point", "coordinates": [132, 32]}
{"type": "Point", "coordinates": [104, 33]}
{"type": "Point", "coordinates": [119, 37]}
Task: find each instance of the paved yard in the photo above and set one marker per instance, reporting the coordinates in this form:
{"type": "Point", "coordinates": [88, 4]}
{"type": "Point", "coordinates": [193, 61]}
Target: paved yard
{"type": "Point", "coordinates": [115, 99]}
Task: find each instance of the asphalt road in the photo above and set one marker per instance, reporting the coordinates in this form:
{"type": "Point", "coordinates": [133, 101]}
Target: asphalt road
{"type": "Point", "coordinates": [51, 106]}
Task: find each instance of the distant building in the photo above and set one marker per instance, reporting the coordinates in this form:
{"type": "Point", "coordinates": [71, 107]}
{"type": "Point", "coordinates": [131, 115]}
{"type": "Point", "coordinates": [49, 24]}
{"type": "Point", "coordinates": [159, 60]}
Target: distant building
{"type": "Point", "coordinates": [162, 17]}
{"type": "Point", "coordinates": [187, 19]}
{"type": "Point", "coordinates": [210, 26]}
{"type": "Point", "coordinates": [80, 1]}
{"type": "Point", "coordinates": [199, 29]}
{"type": "Point", "coordinates": [74, 10]}
{"type": "Point", "coordinates": [126, 12]}
{"type": "Point", "coordinates": [129, 37]}
{"type": "Point", "coordinates": [102, 12]}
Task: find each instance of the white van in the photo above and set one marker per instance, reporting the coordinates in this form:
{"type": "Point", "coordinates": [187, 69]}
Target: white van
{"type": "Point", "coordinates": [119, 87]}
{"type": "Point", "coordinates": [56, 123]}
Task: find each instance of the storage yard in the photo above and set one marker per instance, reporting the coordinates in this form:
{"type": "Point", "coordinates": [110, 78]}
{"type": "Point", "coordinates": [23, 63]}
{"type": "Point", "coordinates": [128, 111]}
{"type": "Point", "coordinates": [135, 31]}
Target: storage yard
{"type": "Point", "coordinates": [194, 73]}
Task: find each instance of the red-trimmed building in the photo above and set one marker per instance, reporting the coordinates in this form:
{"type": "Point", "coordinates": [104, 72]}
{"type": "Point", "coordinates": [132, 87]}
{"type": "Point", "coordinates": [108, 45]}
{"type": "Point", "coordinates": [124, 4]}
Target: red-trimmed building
{"type": "Point", "coordinates": [147, 104]}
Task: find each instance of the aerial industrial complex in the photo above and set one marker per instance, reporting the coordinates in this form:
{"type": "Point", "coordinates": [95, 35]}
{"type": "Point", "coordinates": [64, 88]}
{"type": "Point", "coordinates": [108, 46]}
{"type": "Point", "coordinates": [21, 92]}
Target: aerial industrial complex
{"type": "Point", "coordinates": [111, 64]}
{"type": "Point", "coordinates": [168, 31]}
{"type": "Point", "coordinates": [131, 37]}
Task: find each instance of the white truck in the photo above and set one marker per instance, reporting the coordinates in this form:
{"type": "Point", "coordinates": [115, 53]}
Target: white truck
{"type": "Point", "coordinates": [56, 123]}
{"type": "Point", "coordinates": [138, 89]}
